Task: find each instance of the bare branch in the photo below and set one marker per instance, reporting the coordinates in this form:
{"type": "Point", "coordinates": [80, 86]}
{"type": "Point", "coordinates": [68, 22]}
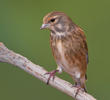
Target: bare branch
{"type": "Point", "coordinates": [13, 58]}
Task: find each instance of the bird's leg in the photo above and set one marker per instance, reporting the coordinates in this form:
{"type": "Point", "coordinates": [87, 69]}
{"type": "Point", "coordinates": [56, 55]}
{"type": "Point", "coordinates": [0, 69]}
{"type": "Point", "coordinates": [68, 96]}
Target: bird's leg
{"type": "Point", "coordinates": [78, 86]}
{"type": "Point", "coordinates": [51, 75]}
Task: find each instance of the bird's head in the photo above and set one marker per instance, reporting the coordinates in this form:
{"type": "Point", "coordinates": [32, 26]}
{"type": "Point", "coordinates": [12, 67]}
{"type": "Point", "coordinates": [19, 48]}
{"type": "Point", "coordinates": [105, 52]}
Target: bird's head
{"type": "Point", "coordinates": [57, 22]}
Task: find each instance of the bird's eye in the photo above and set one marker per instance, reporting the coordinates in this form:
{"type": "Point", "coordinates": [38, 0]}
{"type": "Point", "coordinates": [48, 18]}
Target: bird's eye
{"type": "Point", "coordinates": [52, 20]}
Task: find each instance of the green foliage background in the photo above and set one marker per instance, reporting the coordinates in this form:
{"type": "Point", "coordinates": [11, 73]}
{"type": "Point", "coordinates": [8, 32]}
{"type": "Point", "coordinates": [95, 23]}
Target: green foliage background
{"type": "Point", "coordinates": [20, 22]}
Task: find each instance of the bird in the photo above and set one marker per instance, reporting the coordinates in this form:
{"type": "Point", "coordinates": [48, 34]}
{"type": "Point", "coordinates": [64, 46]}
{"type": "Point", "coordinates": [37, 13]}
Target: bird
{"type": "Point", "coordinates": [69, 47]}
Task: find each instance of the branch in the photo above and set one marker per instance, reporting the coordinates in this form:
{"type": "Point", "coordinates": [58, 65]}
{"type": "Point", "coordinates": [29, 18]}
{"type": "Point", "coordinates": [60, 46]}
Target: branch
{"type": "Point", "coordinates": [13, 58]}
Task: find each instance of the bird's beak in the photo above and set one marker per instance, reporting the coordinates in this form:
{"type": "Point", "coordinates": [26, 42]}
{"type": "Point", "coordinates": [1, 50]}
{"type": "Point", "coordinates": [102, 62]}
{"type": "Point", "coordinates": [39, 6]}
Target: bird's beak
{"type": "Point", "coordinates": [44, 26]}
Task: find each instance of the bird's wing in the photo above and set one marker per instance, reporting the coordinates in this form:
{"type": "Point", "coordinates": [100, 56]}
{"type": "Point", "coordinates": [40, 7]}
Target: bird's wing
{"type": "Point", "coordinates": [77, 47]}
{"type": "Point", "coordinates": [85, 47]}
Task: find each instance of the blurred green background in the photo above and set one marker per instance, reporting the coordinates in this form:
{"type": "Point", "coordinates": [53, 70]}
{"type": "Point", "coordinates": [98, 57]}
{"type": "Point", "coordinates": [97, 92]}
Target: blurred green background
{"type": "Point", "coordinates": [20, 22]}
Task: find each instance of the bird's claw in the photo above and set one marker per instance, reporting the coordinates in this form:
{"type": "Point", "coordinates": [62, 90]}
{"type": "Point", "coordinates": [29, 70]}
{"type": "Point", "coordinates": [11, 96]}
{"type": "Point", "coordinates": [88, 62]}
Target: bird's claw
{"type": "Point", "coordinates": [79, 88]}
{"type": "Point", "coordinates": [51, 75]}
{"type": "Point", "coordinates": [77, 91]}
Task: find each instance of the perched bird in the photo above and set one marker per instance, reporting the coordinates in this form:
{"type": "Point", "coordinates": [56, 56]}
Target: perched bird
{"type": "Point", "coordinates": [69, 47]}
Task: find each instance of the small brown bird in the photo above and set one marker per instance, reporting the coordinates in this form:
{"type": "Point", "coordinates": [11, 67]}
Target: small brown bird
{"type": "Point", "coordinates": [69, 47]}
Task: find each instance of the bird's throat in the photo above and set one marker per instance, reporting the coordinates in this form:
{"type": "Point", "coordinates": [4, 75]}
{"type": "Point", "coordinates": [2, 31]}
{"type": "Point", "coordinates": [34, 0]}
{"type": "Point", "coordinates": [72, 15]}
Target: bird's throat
{"type": "Point", "coordinates": [58, 34]}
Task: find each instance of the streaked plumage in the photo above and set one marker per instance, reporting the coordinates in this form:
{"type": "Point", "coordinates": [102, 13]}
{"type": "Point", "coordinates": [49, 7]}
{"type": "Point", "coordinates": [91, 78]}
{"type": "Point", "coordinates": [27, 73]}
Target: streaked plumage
{"type": "Point", "coordinates": [69, 46]}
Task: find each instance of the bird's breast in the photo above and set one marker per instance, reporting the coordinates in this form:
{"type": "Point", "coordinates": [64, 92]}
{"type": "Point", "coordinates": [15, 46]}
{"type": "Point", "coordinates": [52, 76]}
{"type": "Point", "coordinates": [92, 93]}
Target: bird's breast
{"type": "Point", "coordinates": [67, 53]}
{"type": "Point", "coordinates": [60, 48]}
{"type": "Point", "coordinates": [61, 51]}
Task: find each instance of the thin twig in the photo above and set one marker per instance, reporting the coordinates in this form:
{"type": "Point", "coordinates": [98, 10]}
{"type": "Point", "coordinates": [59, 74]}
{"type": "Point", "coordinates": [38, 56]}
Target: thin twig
{"type": "Point", "coordinates": [13, 58]}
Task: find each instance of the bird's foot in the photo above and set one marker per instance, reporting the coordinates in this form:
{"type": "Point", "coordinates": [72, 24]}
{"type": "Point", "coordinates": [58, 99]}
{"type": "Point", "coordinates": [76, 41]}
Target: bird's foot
{"type": "Point", "coordinates": [51, 75]}
{"type": "Point", "coordinates": [79, 88]}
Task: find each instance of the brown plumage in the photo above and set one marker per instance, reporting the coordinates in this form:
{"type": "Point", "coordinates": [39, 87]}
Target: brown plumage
{"type": "Point", "coordinates": [69, 47]}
